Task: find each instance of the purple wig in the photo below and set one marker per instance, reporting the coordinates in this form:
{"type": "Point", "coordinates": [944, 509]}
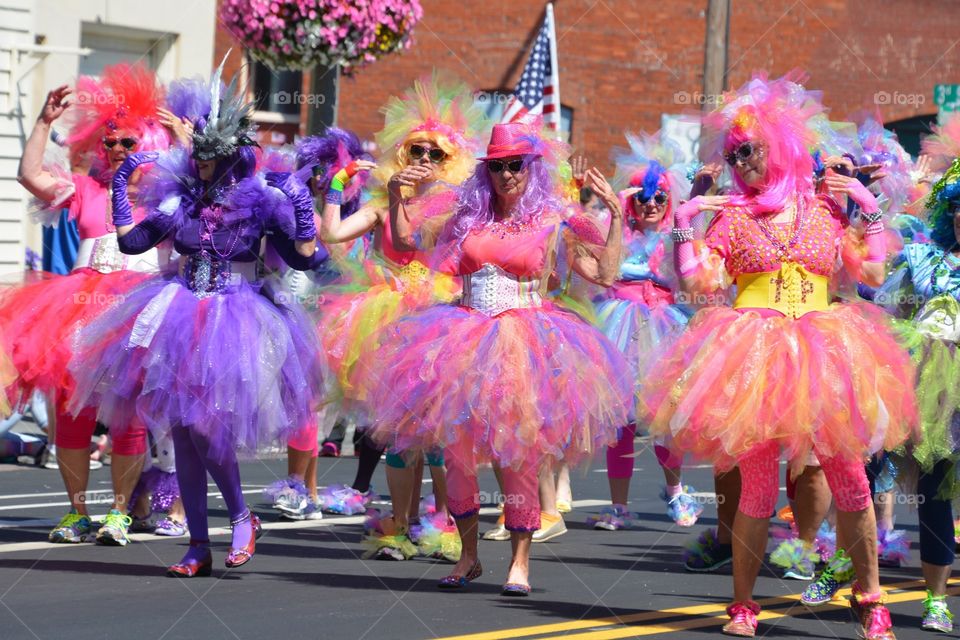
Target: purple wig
{"type": "Point", "coordinates": [189, 98]}
{"type": "Point", "coordinates": [330, 153]}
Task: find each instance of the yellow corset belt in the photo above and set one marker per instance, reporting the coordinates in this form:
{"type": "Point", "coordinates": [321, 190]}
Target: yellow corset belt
{"type": "Point", "coordinates": [793, 291]}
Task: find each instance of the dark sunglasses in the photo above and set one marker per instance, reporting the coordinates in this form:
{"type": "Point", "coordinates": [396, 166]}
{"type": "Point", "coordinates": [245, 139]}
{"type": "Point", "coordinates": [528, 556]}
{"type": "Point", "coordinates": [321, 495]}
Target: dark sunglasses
{"type": "Point", "coordinates": [436, 155]}
{"type": "Point", "coordinates": [659, 197]}
{"type": "Point", "coordinates": [497, 166]}
{"type": "Point", "coordinates": [126, 143]}
{"type": "Point", "coordinates": [741, 154]}
{"type": "Point", "coordinates": [841, 170]}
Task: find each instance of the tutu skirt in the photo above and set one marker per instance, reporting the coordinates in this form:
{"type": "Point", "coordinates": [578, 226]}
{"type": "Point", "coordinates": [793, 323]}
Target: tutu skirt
{"type": "Point", "coordinates": [40, 322]}
{"type": "Point", "coordinates": [835, 381]}
{"type": "Point", "coordinates": [640, 325]}
{"type": "Point", "coordinates": [234, 365]}
{"type": "Point", "coordinates": [533, 381]}
{"type": "Point", "coordinates": [352, 321]}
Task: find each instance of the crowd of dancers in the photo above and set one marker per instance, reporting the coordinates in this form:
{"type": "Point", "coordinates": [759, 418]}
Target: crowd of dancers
{"type": "Point", "coordinates": [472, 296]}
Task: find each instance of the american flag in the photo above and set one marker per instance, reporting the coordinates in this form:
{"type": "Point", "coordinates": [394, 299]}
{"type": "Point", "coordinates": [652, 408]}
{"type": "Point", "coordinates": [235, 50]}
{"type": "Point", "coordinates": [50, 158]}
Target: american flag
{"type": "Point", "coordinates": [538, 90]}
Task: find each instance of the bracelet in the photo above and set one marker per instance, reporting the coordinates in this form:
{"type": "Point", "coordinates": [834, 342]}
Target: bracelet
{"type": "Point", "coordinates": [871, 218]}
{"type": "Point", "coordinates": [682, 234]}
{"type": "Point", "coordinates": [333, 196]}
{"type": "Point", "coordinates": [874, 228]}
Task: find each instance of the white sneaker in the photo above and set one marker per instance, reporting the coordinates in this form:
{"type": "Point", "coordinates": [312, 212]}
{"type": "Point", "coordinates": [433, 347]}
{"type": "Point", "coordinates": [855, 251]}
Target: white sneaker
{"type": "Point", "coordinates": [310, 511]}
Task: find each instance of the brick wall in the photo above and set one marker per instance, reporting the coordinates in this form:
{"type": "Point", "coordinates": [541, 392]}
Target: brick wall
{"type": "Point", "coordinates": [625, 62]}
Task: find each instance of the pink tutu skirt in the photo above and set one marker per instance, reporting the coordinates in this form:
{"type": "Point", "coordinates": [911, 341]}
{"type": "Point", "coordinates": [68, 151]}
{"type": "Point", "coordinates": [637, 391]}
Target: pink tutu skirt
{"type": "Point", "coordinates": [835, 381]}
{"type": "Point", "coordinates": [534, 381]}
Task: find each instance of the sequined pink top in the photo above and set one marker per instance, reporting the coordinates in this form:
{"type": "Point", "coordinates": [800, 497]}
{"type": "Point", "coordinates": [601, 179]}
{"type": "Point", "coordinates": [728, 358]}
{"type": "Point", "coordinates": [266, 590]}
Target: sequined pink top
{"type": "Point", "coordinates": [89, 206]}
{"type": "Point", "coordinates": [738, 238]}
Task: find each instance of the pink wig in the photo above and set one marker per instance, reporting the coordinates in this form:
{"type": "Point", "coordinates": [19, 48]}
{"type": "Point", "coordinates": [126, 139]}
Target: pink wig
{"type": "Point", "coordinates": [124, 99]}
{"type": "Point", "coordinates": [778, 114]}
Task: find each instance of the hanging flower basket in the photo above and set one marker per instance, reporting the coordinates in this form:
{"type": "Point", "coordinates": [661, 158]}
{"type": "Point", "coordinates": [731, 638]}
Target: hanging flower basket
{"type": "Point", "coordinates": [302, 34]}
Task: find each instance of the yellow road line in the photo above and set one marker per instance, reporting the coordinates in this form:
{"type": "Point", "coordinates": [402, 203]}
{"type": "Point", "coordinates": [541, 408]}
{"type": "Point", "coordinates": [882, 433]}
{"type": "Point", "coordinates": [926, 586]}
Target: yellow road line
{"type": "Point", "coordinates": [625, 625]}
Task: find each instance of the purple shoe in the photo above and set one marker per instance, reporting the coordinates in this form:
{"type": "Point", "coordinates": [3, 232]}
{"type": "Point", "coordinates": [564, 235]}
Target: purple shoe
{"type": "Point", "coordinates": [170, 527]}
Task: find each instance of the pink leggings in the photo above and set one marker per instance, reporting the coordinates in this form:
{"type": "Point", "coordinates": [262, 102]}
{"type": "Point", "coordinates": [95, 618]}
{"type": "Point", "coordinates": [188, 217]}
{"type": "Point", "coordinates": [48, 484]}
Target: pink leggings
{"type": "Point", "coordinates": [759, 487]}
{"type": "Point", "coordinates": [620, 456]}
{"type": "Point", "coordinates": [521, 507]}
{"type": "Point", "coordinates": [75, 433]}
{"type": "Point", "coordinates": [306, 439]}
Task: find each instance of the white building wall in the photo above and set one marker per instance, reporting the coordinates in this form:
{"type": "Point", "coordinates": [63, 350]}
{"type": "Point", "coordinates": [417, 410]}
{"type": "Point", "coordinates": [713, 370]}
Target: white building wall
{"type": "Point", "coordinates": [174, 37]}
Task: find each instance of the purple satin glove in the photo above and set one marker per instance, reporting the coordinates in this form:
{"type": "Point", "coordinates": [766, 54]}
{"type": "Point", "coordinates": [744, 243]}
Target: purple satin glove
{"type": "Point", "coordinates": [299, 194]}
{"type": "Point", "coordinates": [122, 209]}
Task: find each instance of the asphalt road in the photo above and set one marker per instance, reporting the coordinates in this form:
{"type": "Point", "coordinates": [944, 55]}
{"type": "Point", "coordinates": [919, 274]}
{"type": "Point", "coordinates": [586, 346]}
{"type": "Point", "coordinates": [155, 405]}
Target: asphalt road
{"type": "Point", "coordinates": [307, 580]}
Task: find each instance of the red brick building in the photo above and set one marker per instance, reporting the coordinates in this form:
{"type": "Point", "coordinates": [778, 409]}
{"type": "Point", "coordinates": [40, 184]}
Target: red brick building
{"type": "Point", "coordinates": [624, 63]}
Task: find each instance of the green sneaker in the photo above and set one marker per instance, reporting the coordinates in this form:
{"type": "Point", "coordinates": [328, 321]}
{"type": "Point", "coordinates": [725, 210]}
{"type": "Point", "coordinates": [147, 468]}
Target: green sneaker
{"type": "Point", "coordinates": [936, 615]}
{"type": "Point", "coordinates": [113, 531]}
{"type": "Point", "coordinates": [837, 573]}
{"type": "Point", "coordinates": [73, 528]}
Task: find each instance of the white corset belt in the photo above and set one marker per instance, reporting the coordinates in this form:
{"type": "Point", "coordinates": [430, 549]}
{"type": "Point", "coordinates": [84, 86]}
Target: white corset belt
{"type": "Point", "coordinates": [491, 291]}
{"type": "Point", "coordinates": [103, 254]}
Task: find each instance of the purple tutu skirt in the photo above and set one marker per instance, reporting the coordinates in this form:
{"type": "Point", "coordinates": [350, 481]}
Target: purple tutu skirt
{"type": "Point", "coordinates": [234, 365]}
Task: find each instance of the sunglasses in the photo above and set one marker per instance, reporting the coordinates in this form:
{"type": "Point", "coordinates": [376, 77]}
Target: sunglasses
{"type": "Point", "coordinates": [742, 153]}
{"type": "Point", "coordinates": [436, 155]}
{"type": "Point", "coordinates": [659, 197]}
{"type": "Point", "coordinates": [126, 143]}
{"type": "Point", "coordinates": [497, 166]}
{"type": "Point", "coordinates": [841, 170]}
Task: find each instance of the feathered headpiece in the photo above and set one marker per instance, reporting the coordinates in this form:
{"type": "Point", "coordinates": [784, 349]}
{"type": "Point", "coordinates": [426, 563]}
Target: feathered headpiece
{"type": "Point", "coordinates": [943, 145]}
{"type": "Point", "coordinates": [124, 99]}
{"type": "Point", "coordinates": [228, 125]}
{"type": "Point", "coordinates": [189, 98]}
{"type": "Point", "coordinates": [779, 113]}
{"type": "Point", "coordinates": [880, 147]}
{"type": "Point", "coordinates": [437, 109]}
{"type": "Point", "coordinates": [651, 163]}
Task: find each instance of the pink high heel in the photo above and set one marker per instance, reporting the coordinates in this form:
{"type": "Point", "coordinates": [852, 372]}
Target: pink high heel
{"type": "Point", "coordinates": [239, 557]}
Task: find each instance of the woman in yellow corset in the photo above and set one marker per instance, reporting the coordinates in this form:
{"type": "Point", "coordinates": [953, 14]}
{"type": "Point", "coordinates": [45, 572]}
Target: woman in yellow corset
{"type": "Point", "coordinates": [783, 372]}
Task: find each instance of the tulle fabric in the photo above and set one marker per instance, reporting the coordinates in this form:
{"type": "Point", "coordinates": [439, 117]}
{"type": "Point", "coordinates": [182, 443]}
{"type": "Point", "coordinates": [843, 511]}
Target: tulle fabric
{"type": "Point", "coordinates": [40, 321]}
{"type": "Point", "coordinates": [350, 322]}
{"type": "Point", "coordinates": [736, 379]}
{"type": "Point", "coordinates": [639, 323]}
{"type": "Point", "coordinates": [938, 395]}
{"type": "Point", "coordinates": [235, 366]}
{"type": "Point", "coordinates": [529, 381]}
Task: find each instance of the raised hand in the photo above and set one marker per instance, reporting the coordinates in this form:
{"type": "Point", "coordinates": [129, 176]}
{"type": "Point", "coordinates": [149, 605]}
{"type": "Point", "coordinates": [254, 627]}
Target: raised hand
{"type": "Point", "coordinates": [55, 104]}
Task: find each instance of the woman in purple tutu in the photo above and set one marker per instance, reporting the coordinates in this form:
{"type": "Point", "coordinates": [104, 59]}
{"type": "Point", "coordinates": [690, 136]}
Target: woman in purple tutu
{"type": "Point", "coordinates": [198, 352]}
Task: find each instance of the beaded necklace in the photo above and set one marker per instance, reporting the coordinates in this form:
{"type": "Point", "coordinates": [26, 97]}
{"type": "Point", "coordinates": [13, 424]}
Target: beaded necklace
{"type": "Point", "coordinates": [941, 270]}
{"type": "Point", "coordinates": [783, 250]}
{"type": "Point", "coordinates": [211, 218]}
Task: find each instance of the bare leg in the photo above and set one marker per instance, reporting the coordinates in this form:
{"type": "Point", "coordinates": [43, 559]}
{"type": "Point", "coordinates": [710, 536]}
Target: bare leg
{"type": "Point", "coordinates": [749, 546]}
{"type": "Point", "coordinates": [310, 478]}
{"type": "Point", "coordinates": [548, 489]}
{"type": "Point", "coordinates": [727, 488]}
{"type": "Point", "coordinates": [520, 542]}
{"type": "Point", "coordinates": [467, 528]}
{"type": "Point", "coordinates": [75, 471]}
{"type": "Point", "coordinates": [298, 462]}
{"type": "Point", "coordinates": [400, 484]}
{"type": "Point", "coordinates": [812, 501]}
{"type": "Point", "coordinates": [564, 490]}
{"type": "Point", "coordinates": [936, 577]}
{"type": "Point", "coordinates": [619, 490]}
{"type": "Point", "coordinates": [439, 476]}
{"type": "Point", "coordinates": [860, 534]}
{"type": "Point", "coordinates": [416, 490]}
{"type": "Point", "coordinates": [125, 472]}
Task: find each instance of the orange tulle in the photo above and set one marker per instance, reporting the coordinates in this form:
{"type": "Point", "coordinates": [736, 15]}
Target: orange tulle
{"type": "Point", "coordinates": [835, 382]}
{"type": "Point", "coordinates": [40, 320]}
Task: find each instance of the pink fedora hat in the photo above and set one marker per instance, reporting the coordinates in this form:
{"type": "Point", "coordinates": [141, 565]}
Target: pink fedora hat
{"type": "Point", "coordinates": [512, 139]}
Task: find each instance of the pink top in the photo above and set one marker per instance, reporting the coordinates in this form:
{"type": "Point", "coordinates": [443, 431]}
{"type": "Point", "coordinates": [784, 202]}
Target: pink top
{"type": "Point", "coordinates": [90, 207]}
{"type": "Point", "coordinates": [738, 238]}
{"type": "Point", "coordinates": [399, 258]}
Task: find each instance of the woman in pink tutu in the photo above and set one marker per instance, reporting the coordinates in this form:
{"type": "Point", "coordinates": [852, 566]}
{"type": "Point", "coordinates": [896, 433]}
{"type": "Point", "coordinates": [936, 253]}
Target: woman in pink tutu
{"type": "Point", "coordinates": [117, 115]}
{"type": "Point", "coordinates": [783, 372]}
{"type": "Point", "coordinates": [503, 376]}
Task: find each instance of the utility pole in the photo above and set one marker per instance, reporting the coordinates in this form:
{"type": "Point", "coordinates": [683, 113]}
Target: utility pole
{"type": "Point", "coordinates": [715, 51]}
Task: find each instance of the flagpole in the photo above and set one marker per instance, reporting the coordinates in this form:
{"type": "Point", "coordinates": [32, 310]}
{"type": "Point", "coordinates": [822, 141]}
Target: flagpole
{"type": "Point", "coordinates": [555, 69]}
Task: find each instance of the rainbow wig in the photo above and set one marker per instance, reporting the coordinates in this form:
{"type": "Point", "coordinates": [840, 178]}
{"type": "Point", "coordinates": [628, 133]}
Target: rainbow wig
{"type": "Point", "coordinates": [438, 110]}
{"type": "Point", "coordinates": [124, 99]}
{"type": "Point", "coordinates": [651, 163]}
{"type": "Point", "coordinates": [777, 113]}
{"type": "Point", "coordinates": [328, 154]}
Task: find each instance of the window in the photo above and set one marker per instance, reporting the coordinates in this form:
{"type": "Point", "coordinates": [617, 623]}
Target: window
{"type": "Point", "coordinates": [112, 45]}
{"type": "Point", "coordinates": [493, 103]}
{"type": "Point", "coordinates": [277, 91]}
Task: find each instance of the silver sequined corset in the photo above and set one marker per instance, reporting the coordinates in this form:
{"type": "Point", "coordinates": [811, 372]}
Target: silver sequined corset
{"type": "Point", "coordinates": [491, 291]}
{"type": "Point", "coordinates": [206, 276]}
